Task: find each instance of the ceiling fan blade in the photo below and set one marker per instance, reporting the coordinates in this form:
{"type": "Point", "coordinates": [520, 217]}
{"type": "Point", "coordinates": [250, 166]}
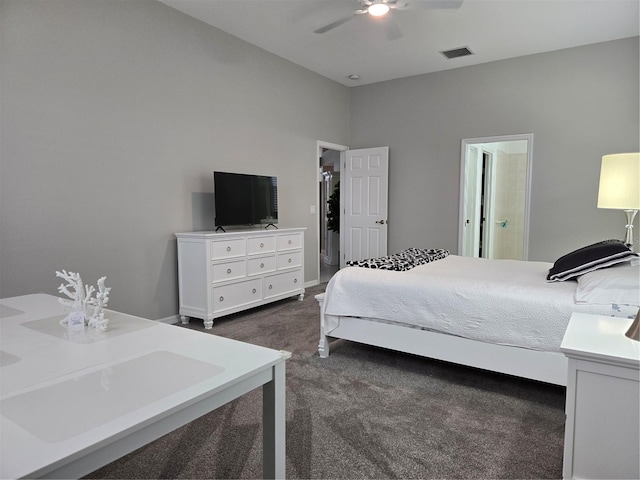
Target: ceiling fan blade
{"type": "Point", "coordinates": [392, 30]}
{"type": "Point", "coordinates": [441, 3]}
{"type": "Point", "coordinates": [333, 25]}
{"type": "Point", "coordinates": [397, 4]}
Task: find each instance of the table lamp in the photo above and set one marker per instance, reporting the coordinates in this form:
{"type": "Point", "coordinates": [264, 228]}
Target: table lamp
{"type": "Point", "coordinates": [620, 187]}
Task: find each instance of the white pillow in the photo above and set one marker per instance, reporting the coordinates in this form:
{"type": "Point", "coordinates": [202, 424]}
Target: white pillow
{"type": "Point", "coordinates": [619, 284]}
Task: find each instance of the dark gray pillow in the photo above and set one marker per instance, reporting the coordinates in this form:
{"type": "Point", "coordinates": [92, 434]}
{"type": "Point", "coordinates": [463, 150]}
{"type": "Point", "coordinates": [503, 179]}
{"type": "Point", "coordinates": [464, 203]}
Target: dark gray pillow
{"type": "Point", "coordinates": [587, 259]}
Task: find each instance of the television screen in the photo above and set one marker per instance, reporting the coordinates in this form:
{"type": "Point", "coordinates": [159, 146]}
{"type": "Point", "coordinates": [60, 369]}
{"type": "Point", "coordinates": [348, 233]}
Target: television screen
{"type": "Point", "coordinates": [242, 199]}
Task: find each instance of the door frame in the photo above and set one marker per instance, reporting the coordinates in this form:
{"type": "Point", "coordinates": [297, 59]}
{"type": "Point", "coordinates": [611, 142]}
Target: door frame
{"type": "Point", "coordinates": [464, 146]}
{"type": "Point", "coordinates": [472, 208]}
{"type": "Point", "coordinates": [340, 148]}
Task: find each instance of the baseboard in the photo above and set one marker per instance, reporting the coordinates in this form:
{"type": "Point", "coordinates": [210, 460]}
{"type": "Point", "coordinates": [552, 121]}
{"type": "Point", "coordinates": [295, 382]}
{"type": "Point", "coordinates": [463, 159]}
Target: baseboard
{"type": "Point", "coordinates": [312, 283]}
{"type": "Point", "coordinates": [171, 320]}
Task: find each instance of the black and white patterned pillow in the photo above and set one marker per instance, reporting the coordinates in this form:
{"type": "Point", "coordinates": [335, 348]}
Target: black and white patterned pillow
{"type": "Point", "coordinates": [405, 260]}
{"type": "Point", "coordinates": [587, 259]}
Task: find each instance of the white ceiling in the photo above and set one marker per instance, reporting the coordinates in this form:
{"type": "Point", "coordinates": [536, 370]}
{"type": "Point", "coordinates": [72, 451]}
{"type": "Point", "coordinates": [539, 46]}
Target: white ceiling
{"type": "Point", "coordinates": [491, 29]}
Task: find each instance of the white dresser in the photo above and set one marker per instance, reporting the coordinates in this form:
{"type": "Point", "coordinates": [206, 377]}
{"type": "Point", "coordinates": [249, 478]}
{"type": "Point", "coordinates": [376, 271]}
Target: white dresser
{"type": "Point", "coordinates": [602, 431]}
{"type": "Point", "coordinates": [224, 273]}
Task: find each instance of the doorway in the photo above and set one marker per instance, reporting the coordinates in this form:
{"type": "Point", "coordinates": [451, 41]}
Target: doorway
{"type": "Point", "coordinates": [362, 205]}
{"type": "Point", "coordinates": [329, 156]}
{"type": "Point", "coordinates": [495, 186]}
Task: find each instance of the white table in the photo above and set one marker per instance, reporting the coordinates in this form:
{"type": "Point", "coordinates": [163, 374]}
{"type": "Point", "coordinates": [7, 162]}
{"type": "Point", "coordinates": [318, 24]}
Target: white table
{"type": "Point", "coordinates": [70, 404]}
{"type": "Point", "coordinates": [602, 431]}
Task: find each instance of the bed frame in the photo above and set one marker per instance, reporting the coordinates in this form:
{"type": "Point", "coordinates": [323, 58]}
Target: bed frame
{"type": "Point", "coordinates": [548, 367]}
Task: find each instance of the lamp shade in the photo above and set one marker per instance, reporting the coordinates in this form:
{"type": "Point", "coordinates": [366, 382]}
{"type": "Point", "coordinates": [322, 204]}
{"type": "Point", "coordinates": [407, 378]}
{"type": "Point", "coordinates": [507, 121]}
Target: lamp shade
{"type": "Point", "coordinates": [620, 181]}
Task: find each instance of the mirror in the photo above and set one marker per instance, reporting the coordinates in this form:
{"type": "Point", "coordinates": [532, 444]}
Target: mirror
{"type": "Point", "coordinates": [495, 186]}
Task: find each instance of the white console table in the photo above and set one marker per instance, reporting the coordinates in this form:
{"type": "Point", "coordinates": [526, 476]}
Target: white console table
{"type": "Point", "coordinates": [602, 431]}
{"type": "Point", "coordinates": [72, 402]}
{"type": "Point", "coordinates": [220, 273]}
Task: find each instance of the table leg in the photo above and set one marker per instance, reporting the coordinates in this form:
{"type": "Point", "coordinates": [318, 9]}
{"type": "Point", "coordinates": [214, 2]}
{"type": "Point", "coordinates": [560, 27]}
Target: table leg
{"type": "Point", "coordinates": [273, 424]}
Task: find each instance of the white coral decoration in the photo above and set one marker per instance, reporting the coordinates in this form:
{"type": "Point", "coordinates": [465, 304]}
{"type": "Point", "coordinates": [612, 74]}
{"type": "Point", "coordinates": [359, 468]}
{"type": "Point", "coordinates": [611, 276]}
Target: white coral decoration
{"type": "Point", "coordinates": [81, 298]}
{"type": "Point", "coordinates": [97, 320]}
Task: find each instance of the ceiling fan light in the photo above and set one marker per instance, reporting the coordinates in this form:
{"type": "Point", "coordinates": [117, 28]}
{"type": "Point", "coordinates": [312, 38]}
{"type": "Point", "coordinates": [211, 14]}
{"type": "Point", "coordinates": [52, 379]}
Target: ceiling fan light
{"type": "Point", "coordinates": [378, 9]}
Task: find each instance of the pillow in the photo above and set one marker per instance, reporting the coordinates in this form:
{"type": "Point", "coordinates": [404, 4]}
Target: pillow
{"type": "Point", "coordinates": [589, 258]}
{"type": "Point", "coordinates": [619, 285]}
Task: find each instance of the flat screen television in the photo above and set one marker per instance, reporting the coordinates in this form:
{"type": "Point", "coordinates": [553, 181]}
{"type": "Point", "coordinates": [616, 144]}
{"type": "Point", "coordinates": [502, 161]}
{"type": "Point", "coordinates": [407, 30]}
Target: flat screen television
{"type": "Point", "coordinates": [242, 199]}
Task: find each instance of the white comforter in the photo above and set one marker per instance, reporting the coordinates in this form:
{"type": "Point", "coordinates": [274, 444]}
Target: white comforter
{"type": "Point", "coordinates": [505, 302]}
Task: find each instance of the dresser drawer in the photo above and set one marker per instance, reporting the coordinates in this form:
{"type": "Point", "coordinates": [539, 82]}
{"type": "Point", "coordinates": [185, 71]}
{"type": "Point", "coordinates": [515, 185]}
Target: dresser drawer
{"type": "Point", "coordinates": [289, 241]}
{"type": "Point", "coordinates": [231, 270]}
{"type": "Point", "coordinates": [289, 260]}
{"type": "Point", "coordinates": [259, 265]}
{"type": "Point", "coordinates": [282, 283]}
{"type": "Point", "coordinates": [233, 247]}
{"type": "Point", "coordinates": [256, 245]}
{"type": "Point", "coordinates": [238, 294]}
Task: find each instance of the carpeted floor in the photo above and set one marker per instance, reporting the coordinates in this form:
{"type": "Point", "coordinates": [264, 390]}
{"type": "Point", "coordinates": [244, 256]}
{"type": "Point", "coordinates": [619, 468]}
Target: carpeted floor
{"type": "Point", "coordinates": [364, 412]}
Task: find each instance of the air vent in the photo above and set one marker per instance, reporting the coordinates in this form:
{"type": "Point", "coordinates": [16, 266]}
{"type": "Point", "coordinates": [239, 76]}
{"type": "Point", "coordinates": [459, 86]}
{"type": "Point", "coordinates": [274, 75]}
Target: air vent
{"type": "Point", "coordinates": [457, 53]}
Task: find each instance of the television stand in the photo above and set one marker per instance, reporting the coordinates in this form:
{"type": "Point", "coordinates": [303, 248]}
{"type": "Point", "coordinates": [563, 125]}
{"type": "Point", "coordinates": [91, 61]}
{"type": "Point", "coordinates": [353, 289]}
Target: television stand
{"type": "Point", "coordinates": [270, 225]}
{"type": "Point", "coordinates": [220, 228]}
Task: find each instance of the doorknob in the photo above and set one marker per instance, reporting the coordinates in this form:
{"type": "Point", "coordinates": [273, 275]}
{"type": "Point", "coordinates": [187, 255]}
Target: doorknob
{"type": "Point", "coordinates": [381, 222]}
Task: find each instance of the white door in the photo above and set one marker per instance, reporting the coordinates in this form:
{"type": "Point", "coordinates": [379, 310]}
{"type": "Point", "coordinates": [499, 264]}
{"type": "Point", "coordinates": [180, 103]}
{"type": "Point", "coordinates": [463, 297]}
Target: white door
{"type": "Point", "coordinates": [364, 198]}
{"type": "Point", "coordinates": [471, 216]}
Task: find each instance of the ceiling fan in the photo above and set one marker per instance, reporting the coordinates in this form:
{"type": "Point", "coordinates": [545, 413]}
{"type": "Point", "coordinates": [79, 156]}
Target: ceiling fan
{"type": "Point", "coordinates": [380, 8]}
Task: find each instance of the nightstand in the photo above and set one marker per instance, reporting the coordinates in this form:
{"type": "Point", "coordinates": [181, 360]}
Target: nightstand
{"type": "Point", "coordinates": [602, 430]}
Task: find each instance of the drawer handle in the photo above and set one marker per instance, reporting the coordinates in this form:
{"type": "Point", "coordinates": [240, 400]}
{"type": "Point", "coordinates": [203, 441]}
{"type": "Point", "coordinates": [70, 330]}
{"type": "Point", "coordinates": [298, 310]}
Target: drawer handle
{"type": "Point", "coordinates": [295, 280]}
{"type": "Point", "coordinates": [221, 298]}
{"type": "Point", "coordinates": [270, 287]}
{"type": "Point", "coordinates": [289, 242]}
{"type": "Point", "coordinates": [228, 249]}
{"type": "Point", "coordinates": [262, 265]}
{"type": "Point", "coordinates": [261, 245]}
{"type": "Point", "coordinates": [228, 270]}
{"type": "Point", "coordinates": [289, 260]}
{"type": "Point", "coordinates": [253, 291]}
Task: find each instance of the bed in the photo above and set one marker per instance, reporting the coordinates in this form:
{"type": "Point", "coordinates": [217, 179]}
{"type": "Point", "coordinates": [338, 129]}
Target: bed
{"type": "Point", "coordinates": [506, 316]}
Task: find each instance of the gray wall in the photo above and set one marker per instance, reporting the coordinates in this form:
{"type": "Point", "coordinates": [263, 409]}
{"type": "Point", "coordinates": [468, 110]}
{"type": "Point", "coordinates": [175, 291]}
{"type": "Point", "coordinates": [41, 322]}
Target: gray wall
{"type": "Point", "coordinates": [579, 103]}
{"type": "Point", "coordinates": [114, 115]}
